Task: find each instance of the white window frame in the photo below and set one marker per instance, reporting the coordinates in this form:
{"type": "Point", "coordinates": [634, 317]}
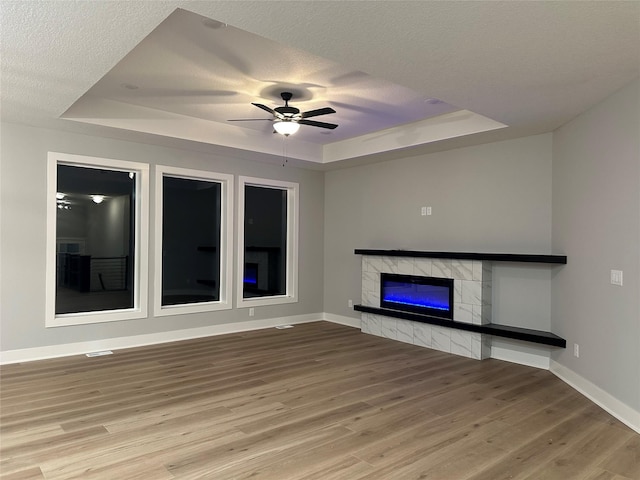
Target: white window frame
{"type": "Point", "coordinates": [226, 240]}
{"type": "Point", "coordinates": [141, 261]}
{"type": "Point", "coordinates": [291, 295]}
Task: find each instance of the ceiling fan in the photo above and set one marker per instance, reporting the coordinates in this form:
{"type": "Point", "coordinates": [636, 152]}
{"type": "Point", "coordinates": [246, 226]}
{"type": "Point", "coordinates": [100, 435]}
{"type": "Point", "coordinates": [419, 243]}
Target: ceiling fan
{"type": "Point", "coordinates": [287, 120]}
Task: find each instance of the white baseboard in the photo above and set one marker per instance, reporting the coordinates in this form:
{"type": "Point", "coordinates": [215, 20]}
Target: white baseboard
{"type": "Point", "coordinates": [612, 405]}
{"type": "Point", "coordinates": [80, 348]}
{"type": "Point", "coordinates": [341, 319]}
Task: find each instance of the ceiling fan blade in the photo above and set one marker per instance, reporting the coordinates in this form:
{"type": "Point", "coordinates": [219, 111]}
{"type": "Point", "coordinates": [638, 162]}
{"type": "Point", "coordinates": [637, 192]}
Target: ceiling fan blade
{"type": "Point", "coordinates": [313, 123]}
{"type": "Point", "coordinates": [265, 108]}
{"type": "Point", "coordinates": [250, 120]}
{"type": "Point", "coordinates": [319, 111]}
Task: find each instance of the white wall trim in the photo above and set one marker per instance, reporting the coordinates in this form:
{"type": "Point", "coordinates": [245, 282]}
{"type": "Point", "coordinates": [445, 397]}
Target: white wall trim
{"type": "Point", "coordinates": [79, 348]}
{"type": "Point", "coordinates": [226, 240]}
{"type": "Point", "coordinates": [612, 405]}
{"type": "Point", "coordinates": [341, 320]}
{"type": "Point", "coordinates": [141, 236]}
{"type": "Point", "coordinates": [293, 222]}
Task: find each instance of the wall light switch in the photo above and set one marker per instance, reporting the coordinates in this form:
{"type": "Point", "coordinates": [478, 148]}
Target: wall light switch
{"type": "Point", "coordinates": [428, 210]}
{"type": "Point", "coordinates": [423, 211]}
{"type": "Point", "coordinates": [616, 277]}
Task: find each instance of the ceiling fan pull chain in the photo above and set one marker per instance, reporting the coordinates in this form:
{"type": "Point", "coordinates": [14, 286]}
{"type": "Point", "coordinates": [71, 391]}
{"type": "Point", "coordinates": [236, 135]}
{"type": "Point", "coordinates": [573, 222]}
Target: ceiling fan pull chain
{"type": "Point", "coordinates": [284, 150]}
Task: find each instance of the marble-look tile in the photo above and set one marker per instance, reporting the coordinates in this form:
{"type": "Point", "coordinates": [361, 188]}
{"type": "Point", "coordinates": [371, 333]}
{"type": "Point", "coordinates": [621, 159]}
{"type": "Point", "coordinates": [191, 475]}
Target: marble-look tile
{"type": "Point", "coordinates": [364, 323]}
{"type": "Point", "coordinates": [368, 299]}
{"type": "Point", "coordinates": [486, 347]}
{"type": "Point", "coordinates": [457, 292]}
{"type": "Point", "coordinates": [476, 317]}
{"type": "Point", "coordinates": [487, 271]}
{"type": "Point", "coordinates": [487, 314]}
{"type": "Point", "coordinates": [462, 269]}
{"type": "Point", "coordinates": [471, 292]}
{"type": "Point", "coordinates": [368, 285]}
{"type": "Point", "coordinates": [476, 346]}
{"type": "Point", "coordinates": [388, 327]}
{"type": "Point", "coordinates": [422, 267]}
{"type": "Point", "coordinates": [477, 270]}
{"type": "Point", "coordinates": [463, 312]}
{"type": "Point", "coordinates": [370, 276]}
{"type": "Point", "coordinates": [441, 268]}
{"type": "Point", "coordinates": [389, 264]}
{"type": "Point", "coordinates": [441, 338]}
{"type": "Point", "coordinates": [487, 292]}
{"type": "Point", "coordinates": [371, 324]}
{"type": "Point", "coordinates": [376, 285]}
{"type": "Point", "coordinates": [461, 343]}
{"type": "Point", "coordinates": [404, 331]}
{"type": "Point", "coordinates": [405, 266]}
{"type": "Point", "coordinates": [371, 264]}
{"type": "Point", "coordinates": [422, 334]}
{"type": "Point", "coordinates": [374, 298]}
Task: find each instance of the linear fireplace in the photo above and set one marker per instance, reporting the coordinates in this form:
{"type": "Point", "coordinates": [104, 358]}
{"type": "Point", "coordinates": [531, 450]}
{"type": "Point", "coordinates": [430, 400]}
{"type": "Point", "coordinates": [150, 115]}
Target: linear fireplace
{"type": "Point", "coordinates": [425, 295]}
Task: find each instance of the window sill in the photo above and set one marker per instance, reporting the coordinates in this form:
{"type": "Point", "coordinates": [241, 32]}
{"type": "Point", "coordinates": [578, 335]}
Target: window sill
{"type": "Point", "coordinates": [264, 301]}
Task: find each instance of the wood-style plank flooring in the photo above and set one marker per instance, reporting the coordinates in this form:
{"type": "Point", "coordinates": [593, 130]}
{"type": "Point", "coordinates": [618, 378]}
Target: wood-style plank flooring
{"type": "Point", "coordinates": [316, 402]}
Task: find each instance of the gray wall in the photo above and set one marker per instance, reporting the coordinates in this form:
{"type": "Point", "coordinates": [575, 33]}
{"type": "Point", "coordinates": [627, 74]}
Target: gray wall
{"type": "Point", "coordinates": [23, 235]}
{"type": "Point", "coordinates": [488, 198]}
{"type": "Point", "coordinates": [596, 221]}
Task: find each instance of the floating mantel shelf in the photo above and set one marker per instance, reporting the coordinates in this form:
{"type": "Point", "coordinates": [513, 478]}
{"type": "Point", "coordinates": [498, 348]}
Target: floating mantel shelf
{"type": "Point", "coordinates": [492, 257]}
{"type": "Point", "coordinates": [516, 333]}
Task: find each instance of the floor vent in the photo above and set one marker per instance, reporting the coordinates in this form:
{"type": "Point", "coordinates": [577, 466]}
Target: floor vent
{"type": "Point", "coordinates": [282, 327]}
{"type": "Point", "coordinates": [99, 354]}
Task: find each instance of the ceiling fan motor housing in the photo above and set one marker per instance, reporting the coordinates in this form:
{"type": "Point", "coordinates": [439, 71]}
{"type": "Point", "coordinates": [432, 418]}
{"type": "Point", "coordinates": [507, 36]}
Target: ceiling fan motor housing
{"type": "Point", "coordinates": [287, 111]}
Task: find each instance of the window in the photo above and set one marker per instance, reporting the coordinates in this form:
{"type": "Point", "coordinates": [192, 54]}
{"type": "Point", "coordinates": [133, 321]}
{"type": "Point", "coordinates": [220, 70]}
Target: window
{"type": "Point", "coordinates": [193, 241]}
{"type": "Point", "coordinates": [268, 239]}
{"type": "Point", "coordinates": [96, 225]}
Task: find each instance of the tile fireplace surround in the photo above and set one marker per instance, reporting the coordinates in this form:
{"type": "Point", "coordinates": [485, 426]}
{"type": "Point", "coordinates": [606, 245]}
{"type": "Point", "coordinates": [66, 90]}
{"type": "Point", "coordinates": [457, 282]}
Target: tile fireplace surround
{"type": "Point", "coordinates": [472, 280]}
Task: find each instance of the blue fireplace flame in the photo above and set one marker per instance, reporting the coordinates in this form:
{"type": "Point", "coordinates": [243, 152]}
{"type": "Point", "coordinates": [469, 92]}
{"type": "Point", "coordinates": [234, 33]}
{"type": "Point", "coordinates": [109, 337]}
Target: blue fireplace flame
{"type": "Point", "coordinates": [425, 295]}
{"type": "Point", "coordinates": [428, 296]}
{"type": "Point", "coordinates": [251, 274]}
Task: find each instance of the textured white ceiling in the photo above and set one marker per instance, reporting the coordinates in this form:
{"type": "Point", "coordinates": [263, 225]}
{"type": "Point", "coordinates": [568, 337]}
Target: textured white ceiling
{"type": "Point", "coordinates": [530, 65]}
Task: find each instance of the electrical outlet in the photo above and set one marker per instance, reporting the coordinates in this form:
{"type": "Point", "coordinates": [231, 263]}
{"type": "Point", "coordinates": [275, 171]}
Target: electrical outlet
{"type": "Point", "coordinates": [576, 350]}
{"type": "Point", "coordinates": [252, 312]}
{"type": "Point", "coordinates": [350, 303]}
{"type": "Point", "coordinates": [616, 277]}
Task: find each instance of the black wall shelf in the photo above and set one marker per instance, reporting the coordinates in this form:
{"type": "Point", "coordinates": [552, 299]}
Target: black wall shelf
{"type": "Point", "coordinates": [493, 257]}
{"type": "Point", "coordinates": [516, 333]}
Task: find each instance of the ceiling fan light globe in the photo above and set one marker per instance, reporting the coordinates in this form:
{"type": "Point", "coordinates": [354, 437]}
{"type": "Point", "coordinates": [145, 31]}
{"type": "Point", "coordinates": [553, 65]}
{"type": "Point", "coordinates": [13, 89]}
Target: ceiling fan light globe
{"type": "Point", "coordinates": [286, 127]}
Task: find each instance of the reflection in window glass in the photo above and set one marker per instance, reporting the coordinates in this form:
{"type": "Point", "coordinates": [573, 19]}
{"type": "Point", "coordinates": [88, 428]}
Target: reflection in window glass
{"type": "Point", "coordinates": [95, 220]}
{"type": "Point", "coordinates": [191, 218]}
{"type": "Point", "coordinates": [265, 241]}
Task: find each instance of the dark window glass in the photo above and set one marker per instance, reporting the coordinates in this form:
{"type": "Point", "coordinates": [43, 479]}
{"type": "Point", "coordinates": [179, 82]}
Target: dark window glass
{"type": "Point", "coordinates": [95, 220]}
{"type": "Point", "coordinates": [191, 215]}
{"type": "Point", "coordinates": [265, 242]}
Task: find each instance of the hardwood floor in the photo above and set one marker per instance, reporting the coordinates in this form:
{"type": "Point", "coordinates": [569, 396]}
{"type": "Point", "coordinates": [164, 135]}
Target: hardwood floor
{"type": "Point", "coordinates": [316, 402]}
